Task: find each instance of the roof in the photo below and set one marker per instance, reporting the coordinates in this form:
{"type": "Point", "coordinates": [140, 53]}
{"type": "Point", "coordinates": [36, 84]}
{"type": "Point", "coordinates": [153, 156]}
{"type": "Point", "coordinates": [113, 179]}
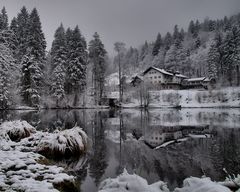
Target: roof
{"type": "Point", "coordinates": [206, 79]}
{"type": "Point", "coordinates": [159, 70]}
{"type": "Point", "coordinates": [181, 76]}
{"type": "Point", "coordinates": [196, 79]}
{"type": "Point", "coordinates": [137, 76]}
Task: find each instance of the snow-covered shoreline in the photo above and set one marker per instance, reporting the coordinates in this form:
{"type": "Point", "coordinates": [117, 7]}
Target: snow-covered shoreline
{"type": "Point", "coordinates": [22, 168]}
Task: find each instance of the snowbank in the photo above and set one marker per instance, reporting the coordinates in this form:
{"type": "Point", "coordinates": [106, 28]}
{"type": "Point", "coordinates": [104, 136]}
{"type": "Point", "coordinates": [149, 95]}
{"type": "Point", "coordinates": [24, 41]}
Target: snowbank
{"type": "Point", "coordinates": [16, 130]}
{"type": "Point", "coordinates": [131, 183]}
{"type": "Point", "coordinates": [65, 143]}
{"type": "Point", "coordinates": [134, 183]}
{"type": "Point", "coordinates": [194, 184]}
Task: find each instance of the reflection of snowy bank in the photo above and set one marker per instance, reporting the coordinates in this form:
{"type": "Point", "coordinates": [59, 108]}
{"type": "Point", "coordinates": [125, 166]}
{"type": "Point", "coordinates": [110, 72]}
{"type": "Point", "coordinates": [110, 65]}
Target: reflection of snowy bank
{"type": "Point", "coordinates": [134, 183]}
{"type": "Point", "coordinates": [22, 169]}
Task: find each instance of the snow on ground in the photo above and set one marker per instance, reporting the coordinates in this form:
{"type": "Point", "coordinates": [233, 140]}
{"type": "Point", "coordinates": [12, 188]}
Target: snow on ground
{"type": "Point", "coordinates": [194, 184]}
{"type": "Point", "coordinates": [22, 169]}
{"type": "Point", "coordinates": [134, 183]}
{"type": "Point", "coordinates": [131, 183]}
{"type": "Point", "coordinates": [225, 97]}
{"type": "Point", "coordinates": [193, 98]}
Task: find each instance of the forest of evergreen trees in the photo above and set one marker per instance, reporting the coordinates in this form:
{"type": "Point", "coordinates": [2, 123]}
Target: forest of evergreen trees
{"type": "Point", "coordinates": [30, 76]}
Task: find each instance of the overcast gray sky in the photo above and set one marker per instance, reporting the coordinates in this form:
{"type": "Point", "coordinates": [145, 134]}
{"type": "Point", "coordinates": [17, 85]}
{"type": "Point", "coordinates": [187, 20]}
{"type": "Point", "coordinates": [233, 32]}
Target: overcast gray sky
{"type": "Point", "coordinates": [130, 21]}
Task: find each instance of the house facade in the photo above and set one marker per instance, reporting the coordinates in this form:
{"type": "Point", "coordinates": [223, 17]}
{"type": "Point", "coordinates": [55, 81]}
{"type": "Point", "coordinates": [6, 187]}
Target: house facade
{"type": "Point", "coordinates": [162, 79]}
{"type": "Point", "coordinates": [200, 82]}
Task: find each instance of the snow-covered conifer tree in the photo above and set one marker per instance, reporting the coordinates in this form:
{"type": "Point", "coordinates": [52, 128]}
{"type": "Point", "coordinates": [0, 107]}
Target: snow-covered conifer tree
{"type": "Point", "coordinates": [97, 54]}
{"type": "Point", "coordinates": [157, 45]}
{"type": "Point", "coordinates": [58, 64]}
{"type": "Point", "coordinates": [77, 61]}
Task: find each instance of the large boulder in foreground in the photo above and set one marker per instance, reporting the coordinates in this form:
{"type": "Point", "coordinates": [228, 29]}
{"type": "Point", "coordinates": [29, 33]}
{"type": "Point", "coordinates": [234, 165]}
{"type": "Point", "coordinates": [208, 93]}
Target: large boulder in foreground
{"type": "Point", "coordinates": [194, 184]}
{"type": "Point", "coordinates": [67, 143]}
{"type": "Point", "coordinates": [16, 130]}
{"type": "Point", "coordinates": [131, 183]}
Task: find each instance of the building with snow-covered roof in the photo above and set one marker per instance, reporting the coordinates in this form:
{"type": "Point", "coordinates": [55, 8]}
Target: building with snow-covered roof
{"type": "Point", "coordinates": [162, 79]}
{"type": "Point", "coordinates": [199, 82]}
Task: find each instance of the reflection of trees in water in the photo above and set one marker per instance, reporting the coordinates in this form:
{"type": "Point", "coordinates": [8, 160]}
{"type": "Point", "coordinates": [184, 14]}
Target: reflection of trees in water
{"type": "Point", "coordinates": [7, 115]}
{"type": "Point", "coordinates": [98, 162]}
{"type": "Point", "coordinates": [225, 152]}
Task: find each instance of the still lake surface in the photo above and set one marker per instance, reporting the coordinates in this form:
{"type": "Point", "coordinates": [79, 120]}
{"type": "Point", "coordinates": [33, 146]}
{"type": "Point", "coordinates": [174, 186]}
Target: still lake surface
{"type": "Point", "coordinates": [127, 139]}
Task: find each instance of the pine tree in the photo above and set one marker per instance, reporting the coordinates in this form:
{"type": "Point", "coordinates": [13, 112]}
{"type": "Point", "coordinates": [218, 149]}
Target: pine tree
{"type": "Point", "coordinates": [176, 33]}
{"type": "Point", "coordinates": [22, 32]}
{"type": "Point", "coordinates": [77, 61]}
{"type": "Point", "coordinates": [31, 80]}
{"type": "Point", "coordinates": [36, 39]}
{"type": "Point", "coordinates": [7, 72]}
{"type": "Point", "coordinates": [97, 54]}
{"type": "Point", "coordinates": [3, 20]}
{"type": "Point", "coordinates": [213, 59]}
{"type": "Point", "coordinates": [58, 64]}
{"type": "Point", "coordinates": [197, 42]}
{"type": "Point", "coordinates": [157, 45]}
{"type": "Point", "coordinates": [33, 57]}
{"type": "Point", "coordinates": [170, 58]}
{"type": "Point", "coordinates": [231, 51]}
{"type": "Point", "coordinates": [167, 41]}
{"type": "Point", "coordinates": [144, 51]}
{"type": "Point", "coordinates": [191, 27]}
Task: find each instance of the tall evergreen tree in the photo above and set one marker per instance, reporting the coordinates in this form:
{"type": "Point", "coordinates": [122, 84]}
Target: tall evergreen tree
{"type": "Point", "coordinates": [97, 54]}
{"type": "Point", "coordinates": [157, 45]}
{"type": "Point", "coordinates": [58, 64]}
{"type": "Point", "coordinates": [77, 61]}
{"type": "Point", "coordinates": [191, 27]}
{"type": "Point", "coordinates": [167, 41]}
{"type": "Point", "coordinates": [8, 72]}
{"type": "Point", "coordinates": [33, 58]}
{"type": "Point", "coordinates": [231, 51]}
{"type": "Point", "coordinates": [36, 39]}
{"type": "Point", "coordinates": [3, 19]}
{"type": "Point", "coordinates": [22, 32]}
{"type": "Point", "coordinates": [176, 32]}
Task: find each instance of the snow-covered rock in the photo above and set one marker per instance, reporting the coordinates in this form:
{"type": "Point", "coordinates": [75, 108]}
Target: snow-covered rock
{"type": "Point", "coordinates": [131, 183]}
{"type": "Point", "coordinates": [194, 184]}
{"type": "Point", "coordinates": [64, 143]}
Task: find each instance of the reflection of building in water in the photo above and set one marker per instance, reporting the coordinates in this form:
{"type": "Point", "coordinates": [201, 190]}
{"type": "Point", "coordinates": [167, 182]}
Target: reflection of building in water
{"type": "Point", "coordinates": [157, 135]}
{"type": "Point", "coordinates": [161, 134]}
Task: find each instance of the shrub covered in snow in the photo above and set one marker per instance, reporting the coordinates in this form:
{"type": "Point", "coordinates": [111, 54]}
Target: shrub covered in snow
{"type": "Point", "coordinates": [16, 130]}
{"type": "Point", "coordinates": [66, 143]}
{"type": "Point", "coordinates": [131, 183]}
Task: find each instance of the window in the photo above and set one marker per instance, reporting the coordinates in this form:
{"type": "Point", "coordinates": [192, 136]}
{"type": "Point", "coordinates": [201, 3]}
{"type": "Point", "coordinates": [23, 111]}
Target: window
{"type": "Point", "coordinates": [155, 77]}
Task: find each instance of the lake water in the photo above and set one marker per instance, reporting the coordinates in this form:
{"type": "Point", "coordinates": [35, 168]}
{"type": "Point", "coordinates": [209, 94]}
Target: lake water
{"type": "Point", "coordinates": [214, 144]}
